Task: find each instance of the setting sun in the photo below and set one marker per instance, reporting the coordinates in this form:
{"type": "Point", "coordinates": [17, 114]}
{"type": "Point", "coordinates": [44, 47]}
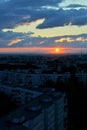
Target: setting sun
{"type": "Point", "coordinates": [57, 49]}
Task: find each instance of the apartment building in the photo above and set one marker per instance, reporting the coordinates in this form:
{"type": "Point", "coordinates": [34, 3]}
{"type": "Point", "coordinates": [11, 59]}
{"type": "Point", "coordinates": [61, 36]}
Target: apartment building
{"type": "Point", "coordinates": [20, 95]}
{"type": "Point", "coordinates": [45, 111]}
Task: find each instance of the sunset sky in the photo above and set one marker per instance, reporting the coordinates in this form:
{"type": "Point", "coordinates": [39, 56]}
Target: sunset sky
{"type": "Point", "coordinates": [43, 26]}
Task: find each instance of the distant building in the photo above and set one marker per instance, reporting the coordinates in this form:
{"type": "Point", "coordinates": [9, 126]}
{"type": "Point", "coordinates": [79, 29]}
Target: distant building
{"type": "Point", "coordinates": [82, 78]}
{"type": "Point", "coordinates": [28, 80]}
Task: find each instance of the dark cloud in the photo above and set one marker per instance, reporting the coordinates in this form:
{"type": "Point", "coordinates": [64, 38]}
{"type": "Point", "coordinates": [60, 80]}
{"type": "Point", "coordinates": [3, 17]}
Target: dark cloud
{"type": "Point", "coordinates": [6, 37]}
{"type": "Point", "coordinates": [12, 14]}
{"type": "Point", "coordinates": [64, 17]}
{"type": "Point", "coordinates": [33, 3]}
{"type": "Point", "coordinates": [9, 35]}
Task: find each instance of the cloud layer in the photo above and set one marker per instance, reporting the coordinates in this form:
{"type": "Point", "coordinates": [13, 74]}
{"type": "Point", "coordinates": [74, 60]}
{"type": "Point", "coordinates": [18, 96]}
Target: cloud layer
{"type": "Point", "coordinates": [14, 13]}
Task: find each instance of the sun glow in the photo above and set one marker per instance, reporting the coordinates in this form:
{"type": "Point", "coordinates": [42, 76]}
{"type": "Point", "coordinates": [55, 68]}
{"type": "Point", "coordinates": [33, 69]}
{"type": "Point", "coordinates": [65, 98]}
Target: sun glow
{"type": "Point", "coordinates": [57, 50]}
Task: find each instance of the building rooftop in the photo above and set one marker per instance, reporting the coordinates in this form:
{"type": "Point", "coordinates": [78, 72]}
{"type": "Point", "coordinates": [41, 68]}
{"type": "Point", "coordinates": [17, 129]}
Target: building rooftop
{"type": "Point", "coordinates": [15, 120]}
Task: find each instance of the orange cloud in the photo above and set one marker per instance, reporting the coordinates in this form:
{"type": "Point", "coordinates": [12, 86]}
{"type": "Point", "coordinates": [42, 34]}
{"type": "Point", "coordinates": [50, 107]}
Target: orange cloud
{"type": "Point", "coordinates": [69, 39]}
{"type": "Point", "coordinates": [33, 23]}
{"type": "Point", "coordinates": [15, 41]}
{"type": "Point", "coordinates": [81, 39]}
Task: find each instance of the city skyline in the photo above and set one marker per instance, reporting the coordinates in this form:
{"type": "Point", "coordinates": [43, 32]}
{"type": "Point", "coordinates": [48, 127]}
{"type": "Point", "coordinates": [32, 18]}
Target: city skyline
{"type": "Point", "coordinates": [49, 26]}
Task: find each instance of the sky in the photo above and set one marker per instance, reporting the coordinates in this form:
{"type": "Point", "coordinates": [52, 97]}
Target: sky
{"type": "Point", "coordinates": [42, 26]}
